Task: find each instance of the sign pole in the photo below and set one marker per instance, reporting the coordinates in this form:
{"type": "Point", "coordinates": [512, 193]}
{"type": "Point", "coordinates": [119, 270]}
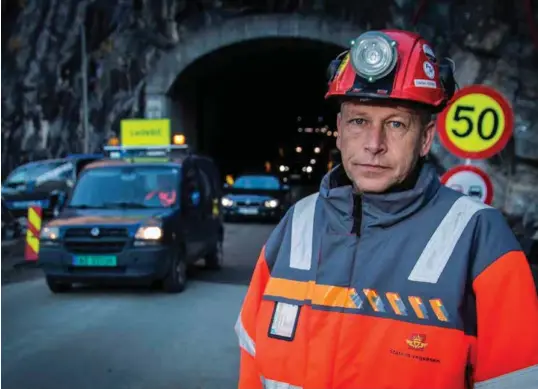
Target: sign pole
{"type": "Point", "coordinates": [508, 189]}
{"type": "Point", "coordinates": [84, 72]}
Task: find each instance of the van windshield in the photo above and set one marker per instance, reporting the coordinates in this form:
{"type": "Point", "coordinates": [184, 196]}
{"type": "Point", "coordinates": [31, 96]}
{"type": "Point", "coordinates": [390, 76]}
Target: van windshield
{"type": "Point", "coordinates": [127, 187]}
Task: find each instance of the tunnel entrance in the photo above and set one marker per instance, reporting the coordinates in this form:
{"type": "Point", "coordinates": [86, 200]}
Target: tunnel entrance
{"type": "Point", "coordinates": [261, 100]}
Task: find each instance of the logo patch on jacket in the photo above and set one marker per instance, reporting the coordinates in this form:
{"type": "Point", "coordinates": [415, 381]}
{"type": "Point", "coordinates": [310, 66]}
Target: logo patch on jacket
{"type": "Point", "coordinates": [417, 342]}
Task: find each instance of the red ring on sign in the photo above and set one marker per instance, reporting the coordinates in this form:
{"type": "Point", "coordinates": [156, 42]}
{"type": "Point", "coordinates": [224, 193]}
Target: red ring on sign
{"type": "Point", "coordinates": [469, 168]}
{"type": "Point", "coordinates": [503, 140]}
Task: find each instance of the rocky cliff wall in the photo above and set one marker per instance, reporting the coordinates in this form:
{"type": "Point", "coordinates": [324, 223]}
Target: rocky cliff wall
{"type": "Point", "coordinates": [490, 40]}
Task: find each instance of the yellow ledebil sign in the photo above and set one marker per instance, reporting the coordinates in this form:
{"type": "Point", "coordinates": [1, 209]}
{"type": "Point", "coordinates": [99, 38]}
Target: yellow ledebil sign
{"type": "Point", "coordinates": [145, 132]}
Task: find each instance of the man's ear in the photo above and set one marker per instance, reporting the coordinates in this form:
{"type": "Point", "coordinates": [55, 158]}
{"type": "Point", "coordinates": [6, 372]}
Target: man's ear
{"type": "Point", "coordinates": [339, 129]}
{"type": "Point", "coordinates": [427, 138]}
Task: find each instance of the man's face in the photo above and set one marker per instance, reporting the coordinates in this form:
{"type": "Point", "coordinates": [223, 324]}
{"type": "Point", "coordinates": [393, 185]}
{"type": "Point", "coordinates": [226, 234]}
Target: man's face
{"type": "Point", "coordinates": [380, 143]}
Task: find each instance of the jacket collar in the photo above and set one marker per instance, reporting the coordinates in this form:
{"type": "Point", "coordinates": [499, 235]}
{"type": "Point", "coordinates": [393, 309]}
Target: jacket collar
{"type": "Point", "coordinates": [383, 209]}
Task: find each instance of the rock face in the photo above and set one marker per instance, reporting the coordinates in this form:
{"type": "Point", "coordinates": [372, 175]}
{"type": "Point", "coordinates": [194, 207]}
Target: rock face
{"type": "Point", "coordinates": [490, 41]}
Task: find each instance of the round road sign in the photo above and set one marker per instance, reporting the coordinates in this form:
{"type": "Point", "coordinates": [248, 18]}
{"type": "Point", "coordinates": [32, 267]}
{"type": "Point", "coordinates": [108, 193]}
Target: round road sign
{"type": "Point", "coordinates": [470, 181]}
{"type": "Point", "coordinates": [477, 124]}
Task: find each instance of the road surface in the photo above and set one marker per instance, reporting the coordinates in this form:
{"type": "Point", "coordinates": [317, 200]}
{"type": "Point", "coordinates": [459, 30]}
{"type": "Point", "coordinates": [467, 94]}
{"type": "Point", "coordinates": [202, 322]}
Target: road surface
{"type": "Point", "coordinates": [130, 338]}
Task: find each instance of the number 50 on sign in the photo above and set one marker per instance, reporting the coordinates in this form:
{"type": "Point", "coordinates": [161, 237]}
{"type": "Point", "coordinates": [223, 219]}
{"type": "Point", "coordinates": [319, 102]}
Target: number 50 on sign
{"type": "Point", "coordinates": [477, 124]}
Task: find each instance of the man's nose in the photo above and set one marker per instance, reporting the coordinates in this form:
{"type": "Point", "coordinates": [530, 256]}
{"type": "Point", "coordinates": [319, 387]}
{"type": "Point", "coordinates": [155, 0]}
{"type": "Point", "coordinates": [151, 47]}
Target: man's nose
{"type": "Point", "coordinates": [376, 142]}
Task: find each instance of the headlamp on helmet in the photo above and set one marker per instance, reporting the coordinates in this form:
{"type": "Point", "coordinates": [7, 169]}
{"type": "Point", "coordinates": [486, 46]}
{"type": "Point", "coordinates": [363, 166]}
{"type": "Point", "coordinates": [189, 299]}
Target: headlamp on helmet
{"type": "Point", "coordinates": [373, 55]}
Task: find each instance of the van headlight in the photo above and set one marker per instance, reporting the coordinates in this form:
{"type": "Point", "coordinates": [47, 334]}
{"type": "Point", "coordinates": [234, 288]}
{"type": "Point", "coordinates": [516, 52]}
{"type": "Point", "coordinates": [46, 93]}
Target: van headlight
{"type": "Point", "coordinates": [226, 202]}
{"type": "Point", "coordinates": [271, 203]}
{"type": "Point", "coordinates": [149, 233]}
{"type": "Point", "coordinates": [50, 233]}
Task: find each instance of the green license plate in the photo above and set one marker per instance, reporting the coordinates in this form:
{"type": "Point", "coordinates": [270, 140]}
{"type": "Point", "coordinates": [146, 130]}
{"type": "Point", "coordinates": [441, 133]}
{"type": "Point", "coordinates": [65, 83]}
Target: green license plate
{"type": "Point", "coordinates": [95, 260]}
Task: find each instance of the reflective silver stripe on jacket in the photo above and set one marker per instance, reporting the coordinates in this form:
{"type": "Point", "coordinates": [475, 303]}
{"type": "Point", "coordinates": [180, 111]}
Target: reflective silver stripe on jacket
{"type": "Point", "coordinates": [520, 379]}
{"type": "Point", "coordinates": [272, 384]}
{"type": "Point", "coordinates": [302, 231]}
{"type": "Point", "coordinates": [245, 341]}
{"type": "Point", "coordinates": [439, 248]}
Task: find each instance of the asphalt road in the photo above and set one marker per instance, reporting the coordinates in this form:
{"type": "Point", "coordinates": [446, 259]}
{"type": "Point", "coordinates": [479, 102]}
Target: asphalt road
{"type": "Point", "coordinates": [130, 338]}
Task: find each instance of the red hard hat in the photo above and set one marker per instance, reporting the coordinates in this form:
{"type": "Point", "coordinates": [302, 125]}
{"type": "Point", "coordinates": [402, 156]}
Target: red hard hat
{"type": "Point", "coordinates": [392, 64]}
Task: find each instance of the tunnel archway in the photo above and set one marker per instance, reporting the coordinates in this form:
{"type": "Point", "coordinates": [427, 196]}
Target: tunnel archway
{"type": "Point", "coordinates": [248, 101]}
{"type": "Point", "coordinates": [254, 81]}
{"type": "Point", "coordinates": [282, 26]}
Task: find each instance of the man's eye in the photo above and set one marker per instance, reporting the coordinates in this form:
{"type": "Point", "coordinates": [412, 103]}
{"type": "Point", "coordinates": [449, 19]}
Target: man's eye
{"type": "Point", "coordinates": [358, 122]}
{"type": "Point", "coordinates": [395, 124]}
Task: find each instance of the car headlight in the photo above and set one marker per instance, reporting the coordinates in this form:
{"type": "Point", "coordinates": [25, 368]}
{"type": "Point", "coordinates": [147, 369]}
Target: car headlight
{"type": "Point", "coordinates": [226, 202]}
{"type": "Point", "coordinates": [149, 233]}
{"type": "Point", "coordinates": [50, 233]}
{"type": "Point", "coordinates": [271, 203]}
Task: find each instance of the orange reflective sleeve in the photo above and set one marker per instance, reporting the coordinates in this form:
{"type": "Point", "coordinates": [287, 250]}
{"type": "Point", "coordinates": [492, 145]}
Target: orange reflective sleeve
{"type": "Point", "coordinates": [249, 376]}
{"type": "Point", "coordinates": [506, 354]}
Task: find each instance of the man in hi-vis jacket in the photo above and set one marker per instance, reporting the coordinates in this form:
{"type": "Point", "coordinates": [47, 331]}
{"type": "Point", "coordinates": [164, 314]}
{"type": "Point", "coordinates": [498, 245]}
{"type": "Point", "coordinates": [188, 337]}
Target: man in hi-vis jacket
{"type": "Point", "coordinates": [385, 278]}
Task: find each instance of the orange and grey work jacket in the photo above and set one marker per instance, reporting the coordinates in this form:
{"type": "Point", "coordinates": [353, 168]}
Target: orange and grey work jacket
{"type": "Point", "coordinates": [433, 292]}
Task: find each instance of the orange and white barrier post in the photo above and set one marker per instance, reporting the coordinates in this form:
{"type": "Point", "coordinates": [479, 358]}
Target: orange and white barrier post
{"type": "Point", "coordinates": [33, 231]}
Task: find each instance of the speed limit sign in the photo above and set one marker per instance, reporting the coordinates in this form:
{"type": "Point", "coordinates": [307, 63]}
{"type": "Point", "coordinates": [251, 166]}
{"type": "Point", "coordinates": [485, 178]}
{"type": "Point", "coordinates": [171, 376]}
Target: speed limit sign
{"type": "Point", "coordinates": [477, 124]}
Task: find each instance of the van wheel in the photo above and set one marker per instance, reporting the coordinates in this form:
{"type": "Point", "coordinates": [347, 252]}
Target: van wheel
{"type": "Point", "coordinates": [176, 279]}
{"type": "Point", "coordinates": [56, 286]}
{"type": "Point", "coordinates": [215, 259]}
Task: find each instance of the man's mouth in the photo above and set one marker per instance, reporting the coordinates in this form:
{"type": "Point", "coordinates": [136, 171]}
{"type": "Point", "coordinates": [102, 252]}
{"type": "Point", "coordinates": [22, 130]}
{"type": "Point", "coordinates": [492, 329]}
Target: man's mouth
{"type": "Point", "coordinates": [368, 166]}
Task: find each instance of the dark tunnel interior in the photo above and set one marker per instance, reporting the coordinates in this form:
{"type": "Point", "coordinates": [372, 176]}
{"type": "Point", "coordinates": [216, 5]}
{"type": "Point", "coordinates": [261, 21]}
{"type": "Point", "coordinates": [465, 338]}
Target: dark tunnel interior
{"type": "Point", "coordinates": [254, 100]}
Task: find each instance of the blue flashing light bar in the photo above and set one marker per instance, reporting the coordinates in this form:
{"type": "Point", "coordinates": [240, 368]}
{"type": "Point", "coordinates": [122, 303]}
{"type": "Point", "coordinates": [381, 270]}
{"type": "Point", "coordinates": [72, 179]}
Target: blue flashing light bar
{"type": "Point", "coordinates": [143, 153]}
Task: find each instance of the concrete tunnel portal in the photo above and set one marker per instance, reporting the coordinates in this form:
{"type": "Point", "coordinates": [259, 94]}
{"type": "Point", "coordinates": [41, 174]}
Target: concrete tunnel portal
{"type": "Point", "coordinates": [241, 91]}
{"type": "Point", "coordinates": [244, 101]}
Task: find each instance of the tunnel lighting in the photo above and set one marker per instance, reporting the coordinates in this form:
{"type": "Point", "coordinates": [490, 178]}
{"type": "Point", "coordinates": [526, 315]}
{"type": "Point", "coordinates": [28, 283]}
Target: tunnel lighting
{"type": "Point", "coordinates": [329, 133]}
{"type": "Point", "coordinates": [298, 149]}
{"type": "Point", "coordinates": [373, 55]}
{"type": "Point", "coordinates": [308, 129]}
{"type": "Point", "coordinates": [335, 134]}
{"type": "Point", "coordinates": [317, 150]}
{"type": "Point", "coordinates": [114, 142]}
{"type": "Point", "coordinates": [299, 129]}
{"type": "Point", "coordinates": [282, 168]}
{"type": "Point", "coordinates": [309, 169]}
{"type": "Point", "coordinates": [179, 139]}
{"type": "Point", "coordinates": [285, 179]}
{"type": "Point", "coordinates": [317, 129]}
{"type": "Point", "coordinates": [324, 130]}
{"type": "Point", "coordinates": [312, 161]}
